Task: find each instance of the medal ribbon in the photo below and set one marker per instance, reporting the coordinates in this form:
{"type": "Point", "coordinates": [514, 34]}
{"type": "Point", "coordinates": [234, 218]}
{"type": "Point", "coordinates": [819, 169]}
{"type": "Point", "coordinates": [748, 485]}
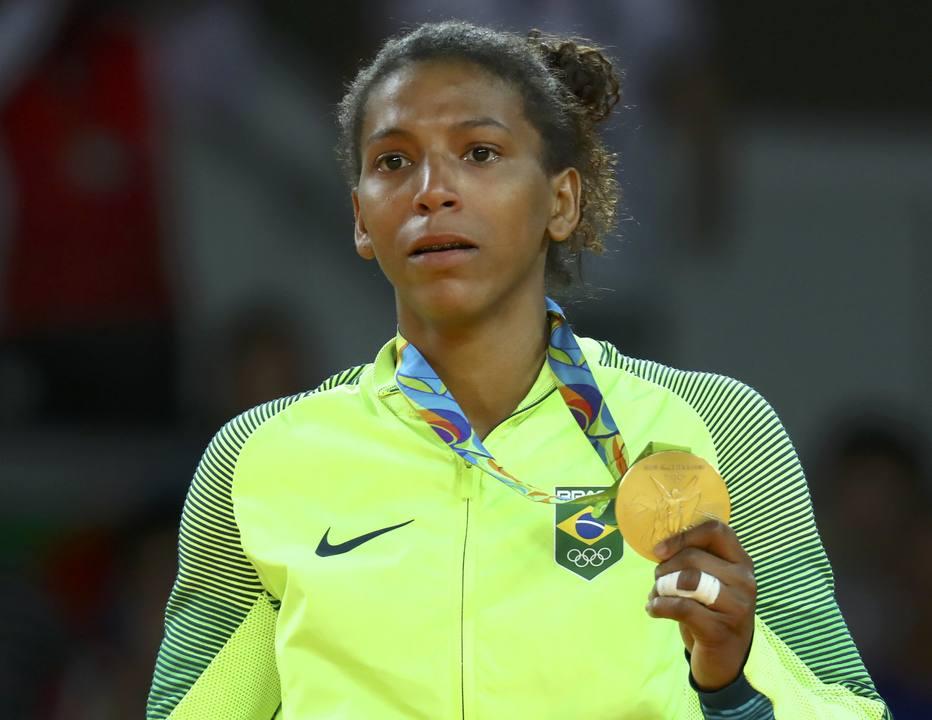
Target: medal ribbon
{"type": "Point", "coordinates": [434, 403]}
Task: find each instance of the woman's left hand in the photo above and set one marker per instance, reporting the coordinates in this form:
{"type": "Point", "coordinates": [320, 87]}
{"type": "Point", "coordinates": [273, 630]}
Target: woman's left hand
{"type": "Point", "coordinates": [718, 636]}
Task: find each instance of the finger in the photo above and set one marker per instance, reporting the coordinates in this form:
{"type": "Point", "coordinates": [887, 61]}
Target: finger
{"type": "Point", "coordinates": [713, 536]}
{"type": "Point", "coordinates": [687, 580]}
{"type": "Point", "coordinates": [699, 559]}
{"type": "Point", "coordinates": [702, 621]}
{"type": "Point", "coordinates": [713, 594]}
{"type": "Point", "coordinates": [708, 625]}
{"type": "Point", "coordinates": [737, 600]}
{"type": "Point", "coordinates": [738, 575]}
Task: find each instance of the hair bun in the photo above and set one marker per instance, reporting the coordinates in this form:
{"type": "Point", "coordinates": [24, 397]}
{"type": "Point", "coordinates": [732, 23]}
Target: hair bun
{"type": "Point", "coordinates": [585, 71]}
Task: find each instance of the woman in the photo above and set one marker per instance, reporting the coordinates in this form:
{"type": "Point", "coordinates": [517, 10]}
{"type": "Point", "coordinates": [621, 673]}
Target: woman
{"type": "Point", "coordinates": [361, 551]}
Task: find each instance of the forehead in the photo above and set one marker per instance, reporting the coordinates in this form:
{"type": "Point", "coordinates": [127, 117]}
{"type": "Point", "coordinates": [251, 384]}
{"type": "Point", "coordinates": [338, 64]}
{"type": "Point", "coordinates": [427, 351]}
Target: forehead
{"type": "Point", "coordinates": [442, 92]}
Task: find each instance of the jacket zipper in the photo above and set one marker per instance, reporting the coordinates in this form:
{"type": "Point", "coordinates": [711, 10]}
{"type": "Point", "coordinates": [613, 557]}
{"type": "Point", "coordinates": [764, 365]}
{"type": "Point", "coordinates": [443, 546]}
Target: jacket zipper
{"type": "Point", "coordinates": [463, 620]}
{"type": "Point", "coordinates": [467, 491]}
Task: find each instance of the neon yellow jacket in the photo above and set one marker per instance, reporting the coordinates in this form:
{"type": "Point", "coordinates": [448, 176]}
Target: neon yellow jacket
{"type": "Point", "coordinates": [337, 561]}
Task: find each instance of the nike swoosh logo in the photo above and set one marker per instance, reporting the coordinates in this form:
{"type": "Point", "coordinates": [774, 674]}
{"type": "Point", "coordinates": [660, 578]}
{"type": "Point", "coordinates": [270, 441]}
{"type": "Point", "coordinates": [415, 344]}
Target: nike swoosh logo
{"type": "Point", "coordinates": [325, 549]}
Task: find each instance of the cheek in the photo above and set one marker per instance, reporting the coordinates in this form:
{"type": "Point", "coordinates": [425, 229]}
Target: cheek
{"type": "Point", "coordinates": [523, 211]}
{"type": "Point", "coordinates": [379, 208]}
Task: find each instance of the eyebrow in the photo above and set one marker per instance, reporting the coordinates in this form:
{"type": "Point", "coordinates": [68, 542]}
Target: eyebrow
{"type": "Point", "coordinates": [462, 125]}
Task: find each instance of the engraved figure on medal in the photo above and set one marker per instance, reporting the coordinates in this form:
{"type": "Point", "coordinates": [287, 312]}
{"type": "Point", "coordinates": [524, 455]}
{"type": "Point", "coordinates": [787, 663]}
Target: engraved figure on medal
{"type": "Point", "coordinates": [676, 508]}
{"type": "Point", "coordinates": [666, 493]}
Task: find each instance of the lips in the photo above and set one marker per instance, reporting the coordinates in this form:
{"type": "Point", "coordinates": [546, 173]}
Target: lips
{"type": "Point", "coordinates": [440, 243]}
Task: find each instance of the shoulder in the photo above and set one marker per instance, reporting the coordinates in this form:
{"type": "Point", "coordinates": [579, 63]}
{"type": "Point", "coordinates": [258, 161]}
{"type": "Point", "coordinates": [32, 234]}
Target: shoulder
{"type": "Point", "coordinates": [749, 439]}
{"type": "Point", "coordinates": [718, 399]}
{"type": "Point", "coordinates": [755, 454]}
{"type": "Point", "coordinates": [227, 444]}
{"type": "Point", "coordinates": [695, 386]}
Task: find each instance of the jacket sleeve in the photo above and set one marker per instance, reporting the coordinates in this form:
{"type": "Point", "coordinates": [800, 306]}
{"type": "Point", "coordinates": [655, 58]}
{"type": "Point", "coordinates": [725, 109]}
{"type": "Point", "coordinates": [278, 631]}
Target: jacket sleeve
{"type": "Point", "coordinates": [217, 657]}
{"type": "Point", "coordinates": [802, 658]}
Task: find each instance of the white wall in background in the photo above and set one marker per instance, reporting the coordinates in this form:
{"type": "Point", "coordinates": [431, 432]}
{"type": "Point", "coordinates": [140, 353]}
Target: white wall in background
{"type": "Point", "coordinates": [821, 300]}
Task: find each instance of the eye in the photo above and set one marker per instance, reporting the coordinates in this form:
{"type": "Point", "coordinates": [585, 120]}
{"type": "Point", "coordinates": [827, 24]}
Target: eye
{"type": "Point", "coordinates": [482, 154]}
{"type": "Point", "coordinates": [390, 162]}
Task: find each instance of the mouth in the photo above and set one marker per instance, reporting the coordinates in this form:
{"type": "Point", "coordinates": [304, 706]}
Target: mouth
{"type": "Point", "coordinates": [440, 244]}
{"type": "Point", "coordinates": [444, 247]}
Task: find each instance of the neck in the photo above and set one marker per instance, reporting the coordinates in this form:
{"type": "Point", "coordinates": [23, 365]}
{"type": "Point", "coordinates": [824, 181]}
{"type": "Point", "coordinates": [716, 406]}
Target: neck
{"type": "Point", "coordinates": [488, 364]}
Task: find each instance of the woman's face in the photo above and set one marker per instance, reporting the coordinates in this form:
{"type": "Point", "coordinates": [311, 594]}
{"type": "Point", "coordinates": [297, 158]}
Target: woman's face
{"type": "Point", "coordinates": [452, 198]}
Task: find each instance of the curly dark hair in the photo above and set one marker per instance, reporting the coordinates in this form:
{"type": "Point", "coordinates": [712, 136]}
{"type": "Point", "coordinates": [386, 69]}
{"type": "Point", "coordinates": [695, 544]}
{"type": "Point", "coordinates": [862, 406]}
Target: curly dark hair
{"type": "Point", "coordinates": [568, 87]}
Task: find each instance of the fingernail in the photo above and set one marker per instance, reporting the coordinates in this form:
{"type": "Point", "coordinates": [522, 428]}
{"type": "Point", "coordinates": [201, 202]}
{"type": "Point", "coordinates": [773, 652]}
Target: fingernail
{"type": "Point", "coordinates": [660, 549]}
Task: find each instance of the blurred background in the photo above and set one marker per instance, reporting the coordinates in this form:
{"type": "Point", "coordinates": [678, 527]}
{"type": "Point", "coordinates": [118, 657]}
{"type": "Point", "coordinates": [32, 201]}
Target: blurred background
{"type": "Point", "coordinates": [176, 247]}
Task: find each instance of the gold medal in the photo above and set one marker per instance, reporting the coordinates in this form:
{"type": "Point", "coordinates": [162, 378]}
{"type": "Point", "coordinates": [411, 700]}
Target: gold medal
{"type": "Point", "coordinates": [665, 493]}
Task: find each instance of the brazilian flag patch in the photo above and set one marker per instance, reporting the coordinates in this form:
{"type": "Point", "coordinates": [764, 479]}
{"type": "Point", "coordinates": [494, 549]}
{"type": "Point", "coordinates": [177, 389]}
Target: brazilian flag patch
{"type": "Point", "coordinates": [582, 544]}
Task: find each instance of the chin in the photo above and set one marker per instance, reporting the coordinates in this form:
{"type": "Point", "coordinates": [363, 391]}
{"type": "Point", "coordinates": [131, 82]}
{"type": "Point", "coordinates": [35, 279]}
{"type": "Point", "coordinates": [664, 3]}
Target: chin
{"type": "Point", "coordinates": [449, 301]}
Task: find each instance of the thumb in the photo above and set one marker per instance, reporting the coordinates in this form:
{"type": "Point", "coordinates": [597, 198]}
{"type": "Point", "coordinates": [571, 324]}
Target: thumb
{"type": "Point", "coordinates": [688, 639]}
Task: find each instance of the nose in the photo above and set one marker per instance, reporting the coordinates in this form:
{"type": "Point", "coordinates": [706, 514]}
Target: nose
{"type": "Point", "coordinates": [436, 188]}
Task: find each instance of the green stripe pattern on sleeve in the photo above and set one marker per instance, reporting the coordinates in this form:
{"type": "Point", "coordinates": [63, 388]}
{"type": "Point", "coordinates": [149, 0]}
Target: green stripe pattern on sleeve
{"type": "Point", "coordinates": [217, 588]}
{"type": "Point", "coordinates": [773, 518]}
{"type": "Point", "coordinates": [757, 708]}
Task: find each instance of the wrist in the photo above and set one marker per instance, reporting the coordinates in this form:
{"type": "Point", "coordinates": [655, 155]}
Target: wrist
{"type": "Point", "coordinates": [733, 695]}
{"type": "Point", "coordinates": [727, 695]}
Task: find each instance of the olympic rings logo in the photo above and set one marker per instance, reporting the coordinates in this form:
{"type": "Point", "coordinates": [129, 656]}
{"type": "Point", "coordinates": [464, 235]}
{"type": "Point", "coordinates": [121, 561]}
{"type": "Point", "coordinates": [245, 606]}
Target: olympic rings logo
{"type": "Point", "coordinates": [589, 556]}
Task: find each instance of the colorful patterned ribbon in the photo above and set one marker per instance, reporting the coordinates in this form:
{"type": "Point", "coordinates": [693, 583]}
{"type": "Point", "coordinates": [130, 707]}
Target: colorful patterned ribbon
{"type": "Point", "coordinates": [435, 404]}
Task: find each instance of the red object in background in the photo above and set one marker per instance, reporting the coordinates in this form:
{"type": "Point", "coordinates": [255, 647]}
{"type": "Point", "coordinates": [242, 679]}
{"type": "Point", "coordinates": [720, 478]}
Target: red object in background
{"type": "Point", "coordinates": [86, 238]}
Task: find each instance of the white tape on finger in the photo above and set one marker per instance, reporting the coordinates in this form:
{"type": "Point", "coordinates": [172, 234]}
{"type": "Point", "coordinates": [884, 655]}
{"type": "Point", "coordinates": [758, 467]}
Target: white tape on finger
{"type": "Point", "coordinates": [666, 584]}
{"type": "Point", "coordinates": [706, 592]}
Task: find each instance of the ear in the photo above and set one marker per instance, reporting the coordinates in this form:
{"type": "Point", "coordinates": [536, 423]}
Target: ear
{"type": "Point", "coordinates": [564, 216]}
{"type": "Point", "coordinates": [363, 243]}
